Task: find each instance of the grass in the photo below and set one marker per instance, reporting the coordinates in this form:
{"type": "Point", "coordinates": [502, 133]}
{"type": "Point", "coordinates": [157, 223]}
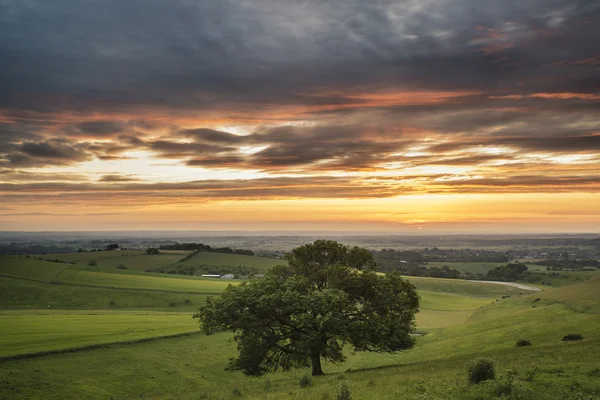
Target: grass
{"type": "Point", "coordinates": [559, 278]}
{"type": "Point", "coordinates": [30, 268]}
{"type": "Point", "coordinates": [27, 332]}
{"type": "Point", "coordinates": [450, 302]}
{"type": "Point", "coordinates": [135, 262]}
{"type": "Point", "coordinates": [188, 368]}
{"type": "Point", "coordinates": [129, 281]}
{"type": "Point", "coordinates": [462, 320]}
{"type": "Point", "coordinates": [22, 294]}
{"type": "Point", "coordinates": [461, 287]}
{"type": "Point", "coordinates": [262, 264]}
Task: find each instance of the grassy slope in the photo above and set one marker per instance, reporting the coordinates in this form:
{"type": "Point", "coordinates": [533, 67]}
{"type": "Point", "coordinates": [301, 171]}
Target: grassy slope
{"type": "Point", "coordinates": [461, 287]}
{"type": "Point", "coordinates": [188, 366]}
{"type": "Point", "coordinates": [21, 294]}
{"type": "Point", "coordinates": [30, 268]}
{"type": "Point", "coordinates": [35, 332]}
{"type": "Point", "coordinates": [133, 281]}
{"type": "Point", "coordinates": [262, 264]}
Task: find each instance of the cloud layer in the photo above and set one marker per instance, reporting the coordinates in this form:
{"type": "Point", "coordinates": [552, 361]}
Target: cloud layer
{"type": "Point", "coordinates": [160, 103]}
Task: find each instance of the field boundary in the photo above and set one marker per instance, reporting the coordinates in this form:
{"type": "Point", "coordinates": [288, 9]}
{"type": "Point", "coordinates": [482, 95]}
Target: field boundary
{"type": "Point", "coordinates": [94, 346]}
{"type": "Point", "coordinates": [25, 279]}
{"type": "Point", "coordinates": [127, 288]}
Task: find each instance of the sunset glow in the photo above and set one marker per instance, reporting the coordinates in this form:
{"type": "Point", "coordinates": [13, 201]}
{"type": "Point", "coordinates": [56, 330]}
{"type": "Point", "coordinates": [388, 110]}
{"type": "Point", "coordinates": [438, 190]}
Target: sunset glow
{"type": "Point", "coordinates": [483, 122]}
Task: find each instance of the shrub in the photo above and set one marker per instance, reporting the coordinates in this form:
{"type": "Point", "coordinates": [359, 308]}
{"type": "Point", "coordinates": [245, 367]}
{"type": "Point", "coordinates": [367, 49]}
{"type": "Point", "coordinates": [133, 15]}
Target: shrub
{"type": "Point", "coordinates": [236, 392]}
{"type": "Point", "coordinates": [571, 337]}
{"type": "Point", "coordinates": [172, 304]}
{"type": "Point", "coordinates": [481, 369]}
{"type": "Point", "coordinates": [187, 301]}
{"type": "Point", "coordinates": [522, 343]}
{"type": "Point", "coordinates": [121, 266]}
{"type": "Point", "coordinates": [343, 391]}
{"type": "Point", "coordinates": [305, 381]}
{"type": "Point", "coordinates": [93, 263]}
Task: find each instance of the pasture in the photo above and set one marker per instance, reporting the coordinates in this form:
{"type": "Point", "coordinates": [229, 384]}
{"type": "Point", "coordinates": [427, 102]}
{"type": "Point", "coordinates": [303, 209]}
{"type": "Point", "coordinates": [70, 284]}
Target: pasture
{"type": "Point", "coordinates": [34, 332]}
{"type": "Point", "coordinates": [461, 287]}
{"type": "Point", "coordinates": [193, 367]}
{"type": "Point", "coordinates": [262, 264]}
{"type": "Point", "coordinates": [98, 306]}
{"type": "Point", "coordinates": [30, 268]}
{"type": "Point", "coordinates": [18, 294]}
{"type": "Point", "coordinates": [144, 282]}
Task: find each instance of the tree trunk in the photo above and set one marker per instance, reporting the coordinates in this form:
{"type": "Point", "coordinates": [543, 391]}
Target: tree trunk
{"type": "Point", "coordinates": [315, 359]}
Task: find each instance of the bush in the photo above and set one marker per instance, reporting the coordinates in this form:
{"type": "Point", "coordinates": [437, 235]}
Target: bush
{"type": "Point", "coordinates": [343, 391]}
{"type": "Point", "coordinates": [236, 392]}
{"type": "Point", "coordinates": [522, 343]}
{"type": "Point", "coordinates": [481, 369]}
{"type": "Point", "coordinates": [305, 381]}
{"type": "Point", "coordinates": [93, 263]}
{"type": "Point", "coordinates": [571, 337]}
{"type": "Point", "coordinates": [121, 266]}
{"type": "Point", "coordinates": [172, 304]}
{"type": "Point", "coordinates": [187, 301]}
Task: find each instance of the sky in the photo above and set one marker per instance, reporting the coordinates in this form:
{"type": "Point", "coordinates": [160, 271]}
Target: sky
{"type": "Point", "coordinates": [417, 116]}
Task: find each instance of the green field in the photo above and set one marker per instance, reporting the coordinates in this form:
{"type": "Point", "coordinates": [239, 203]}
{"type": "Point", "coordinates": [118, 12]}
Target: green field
{"type": "Point", "coordinates": [30, 268]}
{"type": "Point", "coordinates": [128, 281]}
{"type": "Point", "coordinates": [262, 264]}
{"type": "Point", "coordinates": [464, 288]}
{"type": "Point", "coordinates": [28, 332]}
{"type": "Point", "coordinates": [48, 306]}
{"type": "Point", "coordinates": [185, 368]}
{"type": "Point", "coordinates": [18, 294]}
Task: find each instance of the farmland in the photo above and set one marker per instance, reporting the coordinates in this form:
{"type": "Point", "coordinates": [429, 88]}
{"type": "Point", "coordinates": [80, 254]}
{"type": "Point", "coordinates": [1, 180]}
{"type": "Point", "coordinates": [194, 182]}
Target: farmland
{"type": "Point", "coordinates": [29, 332]}
{"type": "Point", "coordinates": [188, 366]}
{"type": "Point", "coordinates": [49, 306]}
{"type": "Point", "coordinates": [262, 264]}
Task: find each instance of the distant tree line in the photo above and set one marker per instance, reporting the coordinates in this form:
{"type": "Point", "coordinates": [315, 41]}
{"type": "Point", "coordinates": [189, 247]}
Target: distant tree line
{"type": "Point", "coordinates": [198, 247]}
{"type": "Point", "coordinates": [465, 255]}
{"type": "Point", "coordinates": [15, 248]}
{"type": "Point", "coordinates": [567, 263]}
{"type": "Point", "coordinates": [508, 273]}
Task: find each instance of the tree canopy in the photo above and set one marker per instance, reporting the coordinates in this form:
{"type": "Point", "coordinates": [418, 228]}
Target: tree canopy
{"type": "Point", "coordinates": [328, 298]}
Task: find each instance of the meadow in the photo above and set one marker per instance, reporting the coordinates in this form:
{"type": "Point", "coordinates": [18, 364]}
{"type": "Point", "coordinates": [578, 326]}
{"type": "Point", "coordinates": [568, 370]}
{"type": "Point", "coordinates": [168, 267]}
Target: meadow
{"type": "Point", "coordinates": [262, 264]}
{"type": "Point", "coordinates": [34, 332]}
{"type": "Point", "coordinates": [130, 281]}
{"type": "Point", "coordinates": [48, 306]}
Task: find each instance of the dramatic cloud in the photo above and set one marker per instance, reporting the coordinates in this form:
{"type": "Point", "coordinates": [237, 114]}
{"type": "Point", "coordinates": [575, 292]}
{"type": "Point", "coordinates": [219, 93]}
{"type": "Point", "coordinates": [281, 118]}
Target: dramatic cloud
{"type": "Point", "coordinates": [199, 101]}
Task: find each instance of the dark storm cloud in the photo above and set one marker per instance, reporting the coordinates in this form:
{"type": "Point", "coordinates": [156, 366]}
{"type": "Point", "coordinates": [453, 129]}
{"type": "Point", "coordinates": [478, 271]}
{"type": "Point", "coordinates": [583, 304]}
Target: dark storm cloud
{"type": "Point", "coordinates": [205, 55]}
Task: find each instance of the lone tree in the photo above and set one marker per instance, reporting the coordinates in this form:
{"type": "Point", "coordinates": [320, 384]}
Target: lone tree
{"type": "Point", "coordinates": [152, 250]}
{"type": "Point", "coordinates": [330, 296]}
